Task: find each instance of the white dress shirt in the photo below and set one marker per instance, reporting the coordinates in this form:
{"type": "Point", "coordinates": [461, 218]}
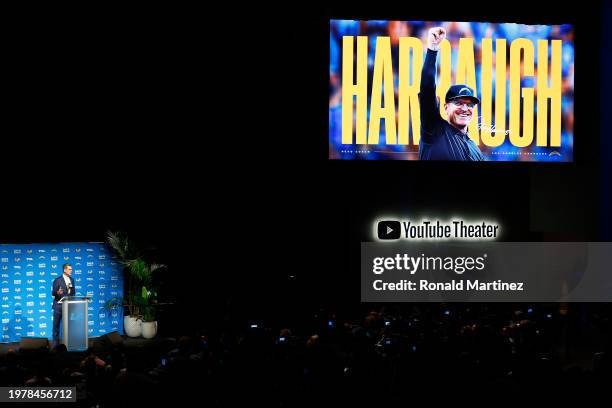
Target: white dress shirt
{"type": "Point", "coordinates": [68, 283]}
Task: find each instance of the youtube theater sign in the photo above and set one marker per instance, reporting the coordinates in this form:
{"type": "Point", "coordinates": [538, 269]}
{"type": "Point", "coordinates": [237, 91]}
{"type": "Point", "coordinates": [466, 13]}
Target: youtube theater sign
{"type": "Point", "coordinates": [459, 260]}
{"type": "Point", "coordinates": [456, 229]}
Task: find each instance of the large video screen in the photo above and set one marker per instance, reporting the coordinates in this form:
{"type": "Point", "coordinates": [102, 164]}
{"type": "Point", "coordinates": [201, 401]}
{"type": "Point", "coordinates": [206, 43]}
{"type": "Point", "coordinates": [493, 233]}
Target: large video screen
{"type": "Point", "coordinates": [462, 91]}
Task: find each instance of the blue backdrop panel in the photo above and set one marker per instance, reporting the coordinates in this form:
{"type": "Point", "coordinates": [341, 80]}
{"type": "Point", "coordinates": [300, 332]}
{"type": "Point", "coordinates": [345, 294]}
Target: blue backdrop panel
{"type": "Point", "coordinates": [27, 273]}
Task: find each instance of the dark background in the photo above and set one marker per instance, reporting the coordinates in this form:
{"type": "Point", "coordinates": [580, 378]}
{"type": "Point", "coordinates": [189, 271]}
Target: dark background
{"type": "Point", "coordinates": [204, 136]}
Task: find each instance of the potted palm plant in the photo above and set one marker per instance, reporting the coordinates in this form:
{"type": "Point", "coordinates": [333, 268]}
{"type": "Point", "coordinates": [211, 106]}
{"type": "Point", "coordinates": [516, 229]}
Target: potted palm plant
{"type": "Point", "coordinates": [149, 324]}
{"type": "Point", "coordinates": [140, 294]}
{"type": "Point", "coordinates": [148, 297]}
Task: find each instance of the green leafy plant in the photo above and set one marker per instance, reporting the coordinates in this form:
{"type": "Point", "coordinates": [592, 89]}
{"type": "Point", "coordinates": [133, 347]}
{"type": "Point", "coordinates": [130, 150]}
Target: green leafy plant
{"type": "Point", "coordinates": [149, 297]}
{"type": "Point", "coordinates": [140, 294]}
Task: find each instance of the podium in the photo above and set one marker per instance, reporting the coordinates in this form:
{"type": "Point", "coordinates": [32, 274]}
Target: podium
{"type": "Point", "coordinates": [74, 322]}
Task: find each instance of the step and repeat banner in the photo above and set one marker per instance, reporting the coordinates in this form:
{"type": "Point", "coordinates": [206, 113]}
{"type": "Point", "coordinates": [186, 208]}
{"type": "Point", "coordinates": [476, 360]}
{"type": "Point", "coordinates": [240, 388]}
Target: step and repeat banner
{"type": "Point", "coordinates": [27, 273]}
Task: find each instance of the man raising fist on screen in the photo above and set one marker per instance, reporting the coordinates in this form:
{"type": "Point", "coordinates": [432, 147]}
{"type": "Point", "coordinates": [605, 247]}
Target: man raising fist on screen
{"type": "Point", "coordinates": [440, 139]}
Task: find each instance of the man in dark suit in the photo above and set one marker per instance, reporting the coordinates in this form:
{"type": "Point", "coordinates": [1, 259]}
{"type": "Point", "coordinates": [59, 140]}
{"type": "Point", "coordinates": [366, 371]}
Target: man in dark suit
{"type": "Point", "coordinates": [441, 139]}
{"type": "Point", "coordinates": [62, 286]}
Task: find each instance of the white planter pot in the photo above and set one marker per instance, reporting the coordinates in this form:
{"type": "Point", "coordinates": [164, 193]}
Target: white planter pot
{"type": "Point", "coordinates": [132, 326]}
{"type": "Point", "coordinates": [149, 329]}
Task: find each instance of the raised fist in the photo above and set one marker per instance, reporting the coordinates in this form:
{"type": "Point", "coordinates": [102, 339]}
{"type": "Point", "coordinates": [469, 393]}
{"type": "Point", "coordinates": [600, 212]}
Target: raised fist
{"type": "Point", "coordinates": [435, 37]}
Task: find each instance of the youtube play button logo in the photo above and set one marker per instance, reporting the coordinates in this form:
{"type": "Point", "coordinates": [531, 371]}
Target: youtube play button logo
{"type": "Point", "coordinates": [389, 230]}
